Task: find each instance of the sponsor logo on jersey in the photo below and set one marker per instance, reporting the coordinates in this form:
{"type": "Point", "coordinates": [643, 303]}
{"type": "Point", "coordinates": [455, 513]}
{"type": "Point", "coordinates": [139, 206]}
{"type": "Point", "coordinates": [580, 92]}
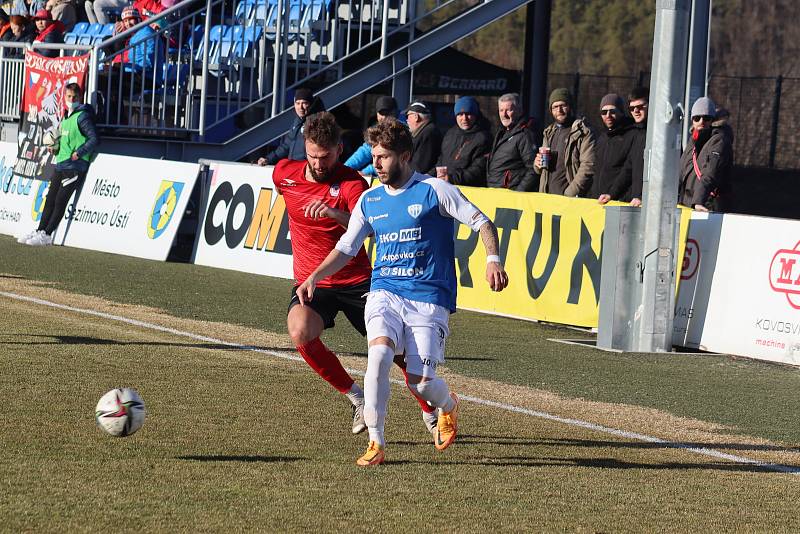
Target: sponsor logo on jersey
{"type": "Point", "coordinates": [288, 183]}
{"type": "Point", "coordinates": [402, 271]}
{"type": "Point", "coordinates": [414, 210]}
{"type": "Point", "coordinates": [403, 256]}
{"type": "Point", "coordinates": [373, 218]}
{"type": "Point", "coordinates": [373, 199]}
{"type": "Point", "coordinates": [334, 190]}
{"type": "Point", "coordinates": [406, 234]}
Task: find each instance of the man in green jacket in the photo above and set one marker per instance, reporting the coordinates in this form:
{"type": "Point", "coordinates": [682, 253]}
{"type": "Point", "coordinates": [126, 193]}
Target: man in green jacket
{"type": "Point", "coordinates": [571, 145]}
{"type": "Point", "coordinates": [75, 149]}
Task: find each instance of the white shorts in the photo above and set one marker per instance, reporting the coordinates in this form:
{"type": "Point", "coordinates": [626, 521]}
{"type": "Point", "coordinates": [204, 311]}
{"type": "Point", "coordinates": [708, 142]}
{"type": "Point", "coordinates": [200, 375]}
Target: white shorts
{"type": "Point", "coordinates": [417, 328]}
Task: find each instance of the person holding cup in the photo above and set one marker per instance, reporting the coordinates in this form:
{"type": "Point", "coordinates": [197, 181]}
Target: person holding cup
{"type": "Point", "coordinates": [565, 162]}
{"type": "Point", "coordinates": [465, 146]}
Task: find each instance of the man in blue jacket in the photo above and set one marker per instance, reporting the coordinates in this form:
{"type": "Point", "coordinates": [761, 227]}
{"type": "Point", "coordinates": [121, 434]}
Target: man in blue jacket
{"type": "Point", "coordinates": [361, 159]}
{"type": "Point", "coordinates": [75, 149]}
{"type": "Point", "coordinates": [292, 143]}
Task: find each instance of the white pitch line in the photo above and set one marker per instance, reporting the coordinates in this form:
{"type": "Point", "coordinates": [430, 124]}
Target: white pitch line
{"type": "Point", "coordinates": [713, 453]}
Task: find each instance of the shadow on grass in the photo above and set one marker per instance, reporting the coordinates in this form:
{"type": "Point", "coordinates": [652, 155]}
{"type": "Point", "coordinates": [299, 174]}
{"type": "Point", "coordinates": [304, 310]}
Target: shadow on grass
{"type": "Point", "coordinates": [613, 463]}
{"type": "Point", "coordinates": [83, 340]}
{"type": "Point", "coordinates": [511, 440]}
{"type": "Point", "coordinates": [243, 458]}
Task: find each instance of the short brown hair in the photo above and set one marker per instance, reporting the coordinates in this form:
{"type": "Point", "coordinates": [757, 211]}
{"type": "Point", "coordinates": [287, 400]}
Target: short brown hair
{"type": "Point", "coordinates": [321, 129]}
{"type": "Point", "coordinates": [392, 135]}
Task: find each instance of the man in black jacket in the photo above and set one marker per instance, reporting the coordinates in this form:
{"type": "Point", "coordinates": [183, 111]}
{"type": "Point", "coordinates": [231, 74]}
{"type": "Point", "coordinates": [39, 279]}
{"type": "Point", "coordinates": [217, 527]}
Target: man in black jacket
{"type": "Point", "coordinates": [707, 161]}
{"type": "Point", "coordinates": [292, 143]}
{"type": "Point", "coordinates": [465, 146]}
{"type": "Point", "coordinates": [510, 163]}
{"type": "Point", "coordinates": [637, 104]}
{"type": "Point", "coordinates": [426, 137]}
{"type": "Point", "coordinates": [612, 179]}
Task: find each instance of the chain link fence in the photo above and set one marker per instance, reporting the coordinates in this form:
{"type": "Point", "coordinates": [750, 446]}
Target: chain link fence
{"type": "Point", "coordinates": [763, 111]}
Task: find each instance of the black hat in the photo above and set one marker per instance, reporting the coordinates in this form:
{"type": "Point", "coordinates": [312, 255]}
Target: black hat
{"type": "Point", "coordinates": [385, 104]}
{"type": "Point", "coordinates": [304, 94]}
{"type": "Point", "coordinates": [418, 107]}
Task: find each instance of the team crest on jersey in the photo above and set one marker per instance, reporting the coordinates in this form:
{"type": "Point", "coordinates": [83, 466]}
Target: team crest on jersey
{"type": "Point", "coordinates": [334, 190]}
{"type": "Point", "coordinates": [414, 210]}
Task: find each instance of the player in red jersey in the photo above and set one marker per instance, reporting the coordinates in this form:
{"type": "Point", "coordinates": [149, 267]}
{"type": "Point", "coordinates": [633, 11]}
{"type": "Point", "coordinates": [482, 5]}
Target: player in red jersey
{"type": "Point", "coordinates": [319, 194]}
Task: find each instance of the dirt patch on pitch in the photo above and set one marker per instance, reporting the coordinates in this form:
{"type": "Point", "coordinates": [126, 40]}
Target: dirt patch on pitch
{"type": "Point", "coordinates": [630, 418]}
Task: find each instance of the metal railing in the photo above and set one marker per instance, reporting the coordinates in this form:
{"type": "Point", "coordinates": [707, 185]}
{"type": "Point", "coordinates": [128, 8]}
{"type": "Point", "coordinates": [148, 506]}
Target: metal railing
{"type": "Point", "coordinates": [209, 69]}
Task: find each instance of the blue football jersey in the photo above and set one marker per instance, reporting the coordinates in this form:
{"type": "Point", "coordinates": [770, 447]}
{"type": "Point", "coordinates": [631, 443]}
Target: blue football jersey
{"type": "Point", "coordinates": [414, 237]}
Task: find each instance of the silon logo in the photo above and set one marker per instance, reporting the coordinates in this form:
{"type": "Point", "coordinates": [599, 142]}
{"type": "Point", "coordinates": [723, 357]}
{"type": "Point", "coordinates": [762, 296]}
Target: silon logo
{"type": "Point", "coordinates": [691, 259]}
{"type": "Point", "coordinates": [163, 208]}
{"type": "Point", "coordinates": [784, 274]}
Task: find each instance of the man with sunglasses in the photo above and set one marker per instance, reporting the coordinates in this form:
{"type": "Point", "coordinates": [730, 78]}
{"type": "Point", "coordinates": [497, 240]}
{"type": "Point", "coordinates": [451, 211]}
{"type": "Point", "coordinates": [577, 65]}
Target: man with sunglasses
{"type": "Point", "coordinates": [612, 178]}
{"type": "Point", "coordinates": [637, 105]}
{"type": "Point", "coordinates": [707, 161]}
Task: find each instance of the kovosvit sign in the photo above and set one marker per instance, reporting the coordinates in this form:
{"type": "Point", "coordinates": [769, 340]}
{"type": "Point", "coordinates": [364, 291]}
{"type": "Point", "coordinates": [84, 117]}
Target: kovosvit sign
{"type": "Point", "coordinates": [245, 226]}
{"type": "Point", "coordinates": [747, 298]}
{"type": "Point", "coordinates": [128, 205]}
{"type": "Point", "coordinates": [21, 199]}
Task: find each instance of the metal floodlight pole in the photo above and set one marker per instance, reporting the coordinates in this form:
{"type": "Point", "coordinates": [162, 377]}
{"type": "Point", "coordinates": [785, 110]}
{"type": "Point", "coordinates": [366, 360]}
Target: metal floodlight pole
{"type": "Point", "coordinates": [697, 76]}
{"type": "Point", "coordinates": [662, 156]}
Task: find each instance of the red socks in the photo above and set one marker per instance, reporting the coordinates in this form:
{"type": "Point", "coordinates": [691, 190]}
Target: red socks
{"type": "Point", "coordinates": [326, 364]}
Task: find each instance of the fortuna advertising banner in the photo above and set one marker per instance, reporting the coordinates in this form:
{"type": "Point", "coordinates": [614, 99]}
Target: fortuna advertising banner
{"type": "Point", "coordinates": [747, 298]}
{"type": "Point", "coordinates": [21, 198]}
{"type": "Point", "coordinates": [130, 206]}
{"type": "Point", "coordinates": [245, 226]}
{"type": "Point", "coordinates": [43, 109]}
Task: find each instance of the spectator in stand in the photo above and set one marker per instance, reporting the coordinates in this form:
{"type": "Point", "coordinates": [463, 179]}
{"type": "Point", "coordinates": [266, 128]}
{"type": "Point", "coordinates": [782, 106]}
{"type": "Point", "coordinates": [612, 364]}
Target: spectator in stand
{"type": "Point", "coordinates": [612, 179]}
{"type": "Point", "coordinates": [510, 163]}
{"type": "Point", "coordinates": [361, 159]}
{"type": "Point", "coordinates": [571, 144]}
{"type": "Point", "coordinates": [292, 145]}
{"type": "Point", "coordinates": [706, 164]}
{"type": "Point", "coordinates": [145, 56]}
{"type": "Point", "coordinates": [426, 137]}
{"type": "Point", "coordinates": [465, 146]}
{"type": "Point", "coordinates": [19, 31]}
{"type": "Point", "coordinates": [64, 11]}
{"type": "Point", "coordinates": [96, 10]}
{"type": "Point", "coordinates": [637, 104]}
{"type": "Point", "coordinates": [149, 8]}
{"type": "Point", "coordinates": [49, 31]}
{"type": "Point", "coordinates": [27, 8]}
{"type": "Point", "coordinates": [74, 153]}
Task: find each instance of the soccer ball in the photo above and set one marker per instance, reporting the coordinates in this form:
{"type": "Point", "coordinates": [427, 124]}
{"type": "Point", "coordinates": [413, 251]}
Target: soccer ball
{"type": "Point", "coordinates": [120, 412]}
{"type": "Point", "coordinates": [51, 139]}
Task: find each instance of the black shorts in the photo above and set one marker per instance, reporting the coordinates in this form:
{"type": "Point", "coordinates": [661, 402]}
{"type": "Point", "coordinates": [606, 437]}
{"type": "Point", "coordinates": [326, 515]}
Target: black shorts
{"type": "Point", "coordinates": [329, 301]}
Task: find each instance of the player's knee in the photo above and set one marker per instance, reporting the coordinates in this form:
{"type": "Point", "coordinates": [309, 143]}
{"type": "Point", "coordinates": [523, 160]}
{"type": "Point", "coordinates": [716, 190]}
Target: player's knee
{"type": "Point", "coordinates": [421, 387]}
{"type": "Point", "coordinates": [300, 334]}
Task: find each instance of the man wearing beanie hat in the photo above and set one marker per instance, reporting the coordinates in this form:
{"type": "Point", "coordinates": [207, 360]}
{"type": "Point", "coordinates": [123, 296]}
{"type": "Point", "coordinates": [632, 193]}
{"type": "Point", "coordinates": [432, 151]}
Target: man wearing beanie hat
{"type": "Point", "coordinates": [707, 161]}
{"type": "Point", "coordinates": [612, 178]}
{"type": "Point", "coordinates": [571, 146]}
{"type": "Point", "coordinates": [465, 146]}
{"type": "Point", "coordinates": [361, 159]}
{"type": "Point", "coordinates": [292, 145]}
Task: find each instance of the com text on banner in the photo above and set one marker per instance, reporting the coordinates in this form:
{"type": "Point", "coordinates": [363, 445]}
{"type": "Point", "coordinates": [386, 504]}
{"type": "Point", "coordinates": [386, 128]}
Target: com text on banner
{"type": "Point", "coordinates": [245, 227]}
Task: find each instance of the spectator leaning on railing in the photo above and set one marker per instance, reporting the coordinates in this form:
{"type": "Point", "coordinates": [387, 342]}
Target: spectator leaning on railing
{"type": "Point", "coordinates": [510, 163]}
{"type": "Point", "coordinates": [20, 31]}
{"type": "Point", "coordinates": [637, 104]}
{"type": "Point", "coordinates": [75, 149]}
{"type": "Point", "coordinates": [569, 144]}
{"type": "Point", "coordinates": [50, 31]}
{"type": "Point", "coordinates": [426, 137]}
{"type": "Point", "coordinates": [465, 146]}
{"type": "Point", "coordinates": [361, 159]}
{"type": "Point", "coordinates": [706, 163]}
{"type": "Point", "coordinates": [612, 179]}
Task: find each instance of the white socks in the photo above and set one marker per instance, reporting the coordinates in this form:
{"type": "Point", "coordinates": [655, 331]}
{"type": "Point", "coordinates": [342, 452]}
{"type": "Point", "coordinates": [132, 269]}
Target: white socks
{"type": "Point", "coordinates": [377, 389]}
{"type": "Point", "coordinates": [437, 394]}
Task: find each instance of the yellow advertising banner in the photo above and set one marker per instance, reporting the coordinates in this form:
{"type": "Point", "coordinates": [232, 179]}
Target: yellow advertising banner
{"type": "Point", "coordinates": [551, 248]}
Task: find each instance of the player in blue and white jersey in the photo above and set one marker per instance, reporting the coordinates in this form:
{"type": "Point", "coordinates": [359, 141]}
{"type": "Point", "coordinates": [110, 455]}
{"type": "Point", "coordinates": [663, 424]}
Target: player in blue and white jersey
{"type": "Point", "coordinates": [413, 286]}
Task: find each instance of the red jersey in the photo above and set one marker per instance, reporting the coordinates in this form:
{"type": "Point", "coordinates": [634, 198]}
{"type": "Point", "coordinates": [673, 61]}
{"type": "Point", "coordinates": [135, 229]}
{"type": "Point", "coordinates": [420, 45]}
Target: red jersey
{"type": "Point", "coordinates": [313, 240]}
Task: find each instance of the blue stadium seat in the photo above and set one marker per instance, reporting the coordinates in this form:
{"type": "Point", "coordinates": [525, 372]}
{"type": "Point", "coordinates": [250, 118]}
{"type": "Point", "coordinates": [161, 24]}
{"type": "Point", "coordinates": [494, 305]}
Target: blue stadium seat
{"type": "Point", "coordinates": [95, 28]}
{"type": "Point", "coordinates": [71, 38]}
{"type": "Point", "coordinates": [107, 30]}
{"type": "Point", "coordinates": [80, 28]}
